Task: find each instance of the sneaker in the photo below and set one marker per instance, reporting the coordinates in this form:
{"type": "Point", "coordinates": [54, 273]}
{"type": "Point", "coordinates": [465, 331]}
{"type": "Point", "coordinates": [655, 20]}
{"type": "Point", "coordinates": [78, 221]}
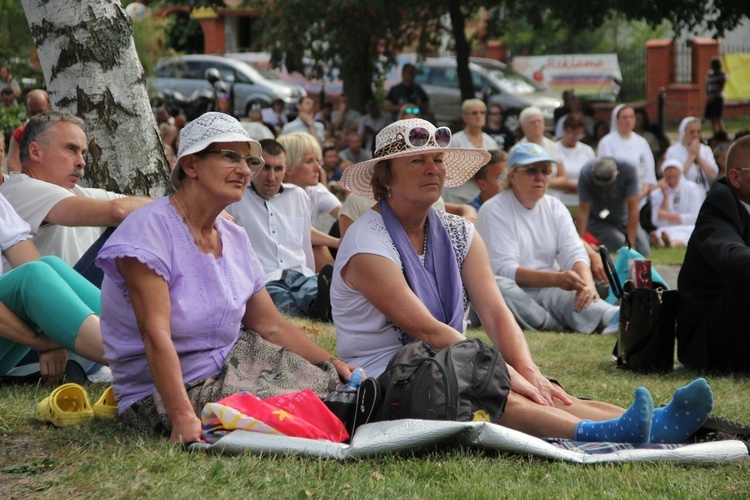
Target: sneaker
{"type": "Point", "coordinates": [102, 375]}
{"type": "Point", "coordinates": [614, 324]}
{"type": "Point", "coordinates": [321, 306]}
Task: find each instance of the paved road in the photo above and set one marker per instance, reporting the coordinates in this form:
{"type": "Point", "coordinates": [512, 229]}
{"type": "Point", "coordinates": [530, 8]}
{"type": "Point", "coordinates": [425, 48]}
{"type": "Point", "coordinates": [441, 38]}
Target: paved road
{"type": "Point", "coordinates": [669, 273]}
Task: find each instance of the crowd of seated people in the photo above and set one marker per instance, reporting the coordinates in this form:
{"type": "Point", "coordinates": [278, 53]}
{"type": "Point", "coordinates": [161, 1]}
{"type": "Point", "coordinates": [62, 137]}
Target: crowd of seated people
{"type": "Point", "coordinates": [297, 192]}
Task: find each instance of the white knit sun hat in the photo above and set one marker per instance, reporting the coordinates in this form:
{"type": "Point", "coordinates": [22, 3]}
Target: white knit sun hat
{"type": "Point", "coordinates": [460, 163]}
{"type": "Point", "coordinates": [208, 128]}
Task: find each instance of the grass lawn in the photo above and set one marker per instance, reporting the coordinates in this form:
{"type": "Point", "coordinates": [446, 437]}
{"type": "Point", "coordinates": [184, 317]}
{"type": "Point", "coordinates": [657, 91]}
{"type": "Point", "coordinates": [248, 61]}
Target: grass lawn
{"type": "Point", "coordinates": [102, 459]}
{"type": "Point", "coordinates": [667, 256]}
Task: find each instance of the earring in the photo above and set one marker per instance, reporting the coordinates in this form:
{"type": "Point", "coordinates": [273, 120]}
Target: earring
{"type": "Point", "coordinates": [388, 193]}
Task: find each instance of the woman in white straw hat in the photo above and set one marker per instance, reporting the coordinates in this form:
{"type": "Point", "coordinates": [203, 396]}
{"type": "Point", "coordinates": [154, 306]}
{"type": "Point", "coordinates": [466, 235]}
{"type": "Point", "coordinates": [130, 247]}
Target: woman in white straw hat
{"type": "Point", "coordinates": [404, 272]}
{"type": "Point", "coordinates": [181, 281]}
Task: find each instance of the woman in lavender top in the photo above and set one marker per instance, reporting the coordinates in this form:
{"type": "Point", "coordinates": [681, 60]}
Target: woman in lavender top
{"type": "Point", "coordinates": [180, 283]}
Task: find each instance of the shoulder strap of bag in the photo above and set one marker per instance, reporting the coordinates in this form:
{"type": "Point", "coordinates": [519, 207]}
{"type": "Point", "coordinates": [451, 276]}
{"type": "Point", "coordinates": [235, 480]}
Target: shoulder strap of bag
{"type": "Point", "coordinates": [609, 268]}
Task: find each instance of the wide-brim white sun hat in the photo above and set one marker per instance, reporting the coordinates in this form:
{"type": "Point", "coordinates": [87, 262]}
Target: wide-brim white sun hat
{"type": "Point", "coordinates": [460, 163]}
{"type": "Point", "coordinates": [205, 130]}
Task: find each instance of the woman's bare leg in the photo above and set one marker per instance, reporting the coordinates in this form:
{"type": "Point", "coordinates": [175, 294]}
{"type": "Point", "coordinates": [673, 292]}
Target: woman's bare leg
{"type": "Point", "coordinates": [590, 410]}
{"type": "Point", "coordinates": [89, 340]}
{"type": "Point", "coordinates": [524, 415]}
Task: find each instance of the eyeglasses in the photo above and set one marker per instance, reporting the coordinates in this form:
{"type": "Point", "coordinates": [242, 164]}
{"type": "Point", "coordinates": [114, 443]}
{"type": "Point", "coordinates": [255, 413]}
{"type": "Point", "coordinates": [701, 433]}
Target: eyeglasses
{"type": "Point", "coordinates": [418, 137]}
{"type": "Point", "coordinates": [495, 113]}
{"type": "Point", "coordinates": [411, 111]}
{"type": "Point", "coordinates": [534, 170]}
{"type": "Point", "coordinates": [233, 158]}
{"type": "Point", "coordinates": [476, 112]}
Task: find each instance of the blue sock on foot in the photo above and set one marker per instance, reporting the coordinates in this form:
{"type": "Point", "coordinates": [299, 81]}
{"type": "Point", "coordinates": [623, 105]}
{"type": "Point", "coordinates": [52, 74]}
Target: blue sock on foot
{"type": "Point", "coordinates": [633, 426]}
{"type": "Point", "coordinates": [688, 410]}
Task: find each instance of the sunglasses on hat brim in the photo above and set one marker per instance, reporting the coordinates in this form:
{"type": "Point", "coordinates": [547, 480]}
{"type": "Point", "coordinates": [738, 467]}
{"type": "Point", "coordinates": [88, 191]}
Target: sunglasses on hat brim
{"type": "Point", "coordinates": [419, 137]}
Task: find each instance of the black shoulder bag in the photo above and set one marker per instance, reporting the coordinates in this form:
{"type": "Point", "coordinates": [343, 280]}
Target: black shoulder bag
{"type": "Point", "coordinates": [648, 320]}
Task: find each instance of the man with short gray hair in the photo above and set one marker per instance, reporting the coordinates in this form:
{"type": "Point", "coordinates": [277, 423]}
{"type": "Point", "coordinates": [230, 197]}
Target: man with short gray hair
{"type": "Point", "coordinates": [66, 219]}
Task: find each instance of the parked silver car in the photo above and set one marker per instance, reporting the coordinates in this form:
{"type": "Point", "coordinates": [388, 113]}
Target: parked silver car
{"type": "Point", "coordinates": [513, 91]}
{"type": "Point", "coordinates": [252, 85]}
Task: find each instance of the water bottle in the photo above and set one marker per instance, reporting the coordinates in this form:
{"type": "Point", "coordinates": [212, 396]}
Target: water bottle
{"type": "Point", "coordinates": [355, 379]}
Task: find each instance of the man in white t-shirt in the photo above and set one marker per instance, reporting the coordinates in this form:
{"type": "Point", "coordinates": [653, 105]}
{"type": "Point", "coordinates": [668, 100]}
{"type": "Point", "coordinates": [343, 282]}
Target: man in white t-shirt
{"type": "Point", "coordinates": [277, 219]}
{"type": "Point", "coordinates": [66, 219]}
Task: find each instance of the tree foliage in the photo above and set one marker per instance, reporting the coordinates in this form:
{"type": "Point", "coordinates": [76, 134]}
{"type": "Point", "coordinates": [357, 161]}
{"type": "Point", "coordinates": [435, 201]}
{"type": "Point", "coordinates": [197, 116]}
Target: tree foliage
{"type": "Point", "coordinates": [16, 43]}
{"type": "Point", "coordinates": [685, 16]}
{"type": "Point", "coordinates": [355, 37]}
{"type": "Point", "coordinates": [150, 36]}
{"type": "Point", "coordinates": [352, 36]}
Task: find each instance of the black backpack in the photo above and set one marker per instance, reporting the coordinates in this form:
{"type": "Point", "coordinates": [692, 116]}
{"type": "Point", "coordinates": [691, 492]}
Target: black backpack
{"type": "Point", "coordinates": [449, 384]}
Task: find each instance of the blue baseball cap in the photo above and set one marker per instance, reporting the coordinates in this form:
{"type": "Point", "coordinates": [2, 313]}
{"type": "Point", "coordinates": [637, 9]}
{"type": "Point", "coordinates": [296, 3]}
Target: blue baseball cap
{"type": "Point", "coordinates": [527, 153]}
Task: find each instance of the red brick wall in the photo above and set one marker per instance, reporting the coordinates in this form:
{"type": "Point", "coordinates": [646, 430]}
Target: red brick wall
{"type": "Point", "coordinates": [660, 70]}
{"type": "Point", "coordinates": [493, 49]}
{"type": "Point", "coordinates": [213, 35]}
{"type": "Point", "coordinates": [683, 99]}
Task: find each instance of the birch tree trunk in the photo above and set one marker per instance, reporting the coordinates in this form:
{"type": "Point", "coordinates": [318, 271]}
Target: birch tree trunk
{"type": "Point", "coordinates": [92, 70]}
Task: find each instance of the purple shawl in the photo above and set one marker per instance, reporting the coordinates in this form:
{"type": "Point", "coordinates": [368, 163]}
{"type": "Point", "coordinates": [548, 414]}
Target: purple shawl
{"type": "Point", "coordinates": [438, 283]}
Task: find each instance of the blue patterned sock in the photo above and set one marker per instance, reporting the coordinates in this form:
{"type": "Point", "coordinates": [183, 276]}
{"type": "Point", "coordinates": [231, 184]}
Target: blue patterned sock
{"type": "Point", "coordinates": [633, 426]}
{"type": "Point", "coordinates": [688, 410]}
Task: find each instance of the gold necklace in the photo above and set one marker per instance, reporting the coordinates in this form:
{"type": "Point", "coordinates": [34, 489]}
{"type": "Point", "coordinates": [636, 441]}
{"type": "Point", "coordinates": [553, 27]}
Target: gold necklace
{"type": "Point", "coordinates": [195, 235]}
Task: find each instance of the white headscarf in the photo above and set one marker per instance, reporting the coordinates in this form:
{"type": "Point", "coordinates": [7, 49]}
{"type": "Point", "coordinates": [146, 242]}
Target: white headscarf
{"type": "Point", "coordinates": [673, 164]}
{"type": "Point", "coordinates": [684, 124]}
{"type": "Point", "coordinates": [613, 121]}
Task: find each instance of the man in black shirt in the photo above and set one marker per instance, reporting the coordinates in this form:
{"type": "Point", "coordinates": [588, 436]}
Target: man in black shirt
{"type": "Point", "coordinates": [714, 310]}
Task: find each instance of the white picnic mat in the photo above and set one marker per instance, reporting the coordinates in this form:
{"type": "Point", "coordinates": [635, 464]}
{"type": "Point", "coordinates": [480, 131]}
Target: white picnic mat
{"type": "Point", "coordinates": [407, 436]}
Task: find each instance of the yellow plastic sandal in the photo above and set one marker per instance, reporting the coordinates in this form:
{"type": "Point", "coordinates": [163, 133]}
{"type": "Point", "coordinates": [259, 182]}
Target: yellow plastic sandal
{"type": "Point", "coordinates": [67, 405]}
{"type": "Point", "coordinates": [106, 407]}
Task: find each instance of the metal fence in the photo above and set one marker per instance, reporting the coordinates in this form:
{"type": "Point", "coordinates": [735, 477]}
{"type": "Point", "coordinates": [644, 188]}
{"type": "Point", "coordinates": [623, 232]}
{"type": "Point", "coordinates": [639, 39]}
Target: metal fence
{"type": "Point", "coordinates": [633, 68]}
{"type": "Point", "coordinates": [734, 49]}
